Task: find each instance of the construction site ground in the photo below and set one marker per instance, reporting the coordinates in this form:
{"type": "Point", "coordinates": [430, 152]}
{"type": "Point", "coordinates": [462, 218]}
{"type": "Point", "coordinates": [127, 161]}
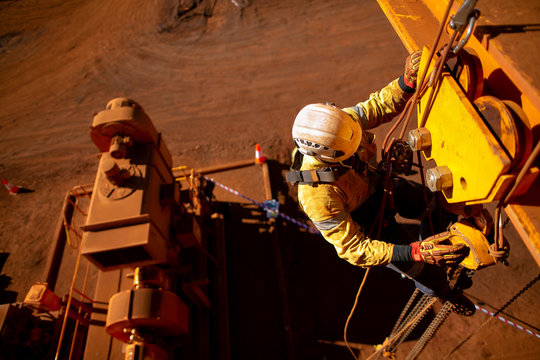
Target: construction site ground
{"type": "Point", "coordinates": [216, 81]}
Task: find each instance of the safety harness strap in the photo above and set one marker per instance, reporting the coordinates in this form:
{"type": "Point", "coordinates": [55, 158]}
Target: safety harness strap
{"type": "Point", "coordinates": [323, 175]}
{"type": "Point", "coordinates": [310, 177]}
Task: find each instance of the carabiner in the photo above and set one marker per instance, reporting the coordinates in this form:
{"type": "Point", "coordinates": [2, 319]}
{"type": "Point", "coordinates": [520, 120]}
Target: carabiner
{"type": "Point", "coordinates": [468, 34]}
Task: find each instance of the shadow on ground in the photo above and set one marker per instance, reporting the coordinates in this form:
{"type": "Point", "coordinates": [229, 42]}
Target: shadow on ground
{"type": "Point", "coordinates": [320, 288]}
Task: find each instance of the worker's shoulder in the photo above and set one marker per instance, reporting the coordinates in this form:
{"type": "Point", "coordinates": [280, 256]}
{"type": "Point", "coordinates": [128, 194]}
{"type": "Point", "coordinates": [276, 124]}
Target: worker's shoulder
{"type": "Point", "coordinates": [320, 192]}
{"type": "Point", "coordinates": [311, 163]}
{"type": "Point", "coordinates": [321, 199]}
{"type": "Point", "coordinates": [356, 112]}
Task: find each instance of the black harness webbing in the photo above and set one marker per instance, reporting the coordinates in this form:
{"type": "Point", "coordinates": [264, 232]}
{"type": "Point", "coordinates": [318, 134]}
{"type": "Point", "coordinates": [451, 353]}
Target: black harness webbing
{"type": "Point", "coordinates": [310, 177]}
{"type": "Point", "coordinates": [323, 175]}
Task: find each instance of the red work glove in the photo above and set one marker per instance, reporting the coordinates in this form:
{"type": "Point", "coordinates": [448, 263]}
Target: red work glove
{"type": "Point", "coordinates": [438, 250]}
{"type": "Point", "coordinates": [411, 68]}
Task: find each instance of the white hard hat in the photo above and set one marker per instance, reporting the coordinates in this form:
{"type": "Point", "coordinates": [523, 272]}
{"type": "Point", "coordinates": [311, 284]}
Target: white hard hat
{"type": "Point", "coordinates": [326, 132]}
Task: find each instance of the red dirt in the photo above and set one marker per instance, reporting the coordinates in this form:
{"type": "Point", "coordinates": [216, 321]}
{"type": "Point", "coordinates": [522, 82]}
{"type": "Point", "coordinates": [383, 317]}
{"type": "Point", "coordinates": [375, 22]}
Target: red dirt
{"type": "Point", "coordinates": [215, 86]}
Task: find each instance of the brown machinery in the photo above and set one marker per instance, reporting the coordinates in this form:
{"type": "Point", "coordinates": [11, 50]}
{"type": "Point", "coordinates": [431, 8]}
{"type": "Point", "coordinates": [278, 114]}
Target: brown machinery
{"type": "Point", "coordinates": [129, 218]}
{"type": "Point", "coordinates": [143, 233]}
{"type": "Point", "coordinates": [135, 199]}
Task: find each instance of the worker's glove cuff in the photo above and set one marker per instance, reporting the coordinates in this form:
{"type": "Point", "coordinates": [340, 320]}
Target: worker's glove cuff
{"type": "Point", "coordinates": [415, 251]}
{"type": "Point", "coordinates": [408, 82]}
{"type": "Point", "coordinates": [403, 85]}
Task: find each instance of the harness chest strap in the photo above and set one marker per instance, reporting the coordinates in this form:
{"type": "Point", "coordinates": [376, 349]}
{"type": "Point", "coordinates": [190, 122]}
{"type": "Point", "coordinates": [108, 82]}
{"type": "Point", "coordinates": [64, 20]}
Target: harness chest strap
{"type": "Point", "coordinates": [327, 174]}
{"type": "Point", "coordinates": [310, 177]}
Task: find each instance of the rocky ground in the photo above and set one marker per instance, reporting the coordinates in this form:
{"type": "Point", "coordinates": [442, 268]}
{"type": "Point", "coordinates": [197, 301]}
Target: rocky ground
{"type": "Point", "coordinates": [216, 79]}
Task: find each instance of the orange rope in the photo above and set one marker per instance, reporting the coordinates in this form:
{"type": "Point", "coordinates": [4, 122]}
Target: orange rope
{"type": "Point", "coordinates": [352, 312]}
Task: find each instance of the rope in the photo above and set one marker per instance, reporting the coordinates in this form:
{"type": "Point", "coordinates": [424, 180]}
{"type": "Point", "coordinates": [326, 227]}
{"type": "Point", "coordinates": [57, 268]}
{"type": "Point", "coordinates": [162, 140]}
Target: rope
{"type": "Point", "coordinates": [417, 318]}
{"type": "Point", "coordinates": [74, 203]}
{"type": "Point", "coordinates": [406, 114]}
{"type": "Point", "coordinates": [67, 228]}
{"type": "Point", "coordinates": [352, 312]}
{"type": "Point", "coordinates": [266, 208]}
{"type": "Point", "coordinates": [380, 220]}
{"type": "Point", "coordinates": [435, 76]}
{"type": "Point", "coordinates": [420, 82]}
{"type": "Point", "coordinates": [499, 238]}
{"type": "Point", "coordinates": [434, 80]}
{"type": "Point", "coordinates": [410, 322]}
{"type": "Point", "coordinates": [518, 294]}
{"type": "Point", "coordinates": [430, 331]}
{"type": "Point", "coordinates": [396, 328]}
{"type": "Point", "coordinates": [68, 305]}
{"type": "Point", "coordinates": [79, 310]}
{"type": "Point", "coordinates": [490, 313]}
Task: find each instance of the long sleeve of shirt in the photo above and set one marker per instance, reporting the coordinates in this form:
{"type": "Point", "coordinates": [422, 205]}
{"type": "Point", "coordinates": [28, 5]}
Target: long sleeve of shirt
{"type": "Point", "coordinates": [329, 205]}
{"type": "Point", "coordinates": [382, 106]}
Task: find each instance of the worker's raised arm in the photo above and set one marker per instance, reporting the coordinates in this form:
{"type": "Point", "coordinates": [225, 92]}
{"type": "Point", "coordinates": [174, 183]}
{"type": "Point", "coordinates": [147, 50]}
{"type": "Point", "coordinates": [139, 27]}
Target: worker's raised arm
{"type": "Point", "coordinates": [384, 105]}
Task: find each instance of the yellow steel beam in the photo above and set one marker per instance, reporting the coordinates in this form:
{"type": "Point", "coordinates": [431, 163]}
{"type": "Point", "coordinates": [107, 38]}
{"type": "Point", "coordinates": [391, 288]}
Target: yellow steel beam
{"type": "Point", "coordinates": [507, 75]}
{"type": "Point", "coordinates": [413, 22]}
{"type": "Point", "coordinates": [416, 23]}
{"type": "Point", "coordinates": [526, 219]}
{"type": "Point", "coordinates": [496, 55]}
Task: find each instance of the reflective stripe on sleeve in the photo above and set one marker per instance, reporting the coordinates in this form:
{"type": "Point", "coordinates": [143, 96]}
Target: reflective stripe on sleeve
{"type": "Point", "coordinates": [331, 223]}
{"type": "Point", "coordinates": [359, 111]}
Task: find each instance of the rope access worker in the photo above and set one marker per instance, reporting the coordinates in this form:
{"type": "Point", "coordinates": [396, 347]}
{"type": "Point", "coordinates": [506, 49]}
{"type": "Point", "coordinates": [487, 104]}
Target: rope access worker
{"type": "Point", "coordinates": [339, 192]}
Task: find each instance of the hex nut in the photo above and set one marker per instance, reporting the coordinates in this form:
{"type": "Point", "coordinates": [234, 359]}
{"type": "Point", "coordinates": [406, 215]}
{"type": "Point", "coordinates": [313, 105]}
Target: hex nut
{"type": "Point", "coordinates": [419, 139]}
{"type": "Point", "coordinates": [439, 178]}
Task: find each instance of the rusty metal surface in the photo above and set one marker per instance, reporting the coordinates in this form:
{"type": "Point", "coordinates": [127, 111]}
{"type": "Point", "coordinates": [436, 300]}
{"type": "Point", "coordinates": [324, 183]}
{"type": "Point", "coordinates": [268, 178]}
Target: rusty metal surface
{"type": "Point", "coordinates": [510, 30]}
{"type": "Point", "coordinates": [507, 41]}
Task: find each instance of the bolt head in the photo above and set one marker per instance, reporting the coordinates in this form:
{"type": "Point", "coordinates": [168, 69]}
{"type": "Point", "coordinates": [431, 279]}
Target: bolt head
{"type": "Point", "coordinates": [419, 139]}
{"type": "Point", "coordinates": [439, 178]}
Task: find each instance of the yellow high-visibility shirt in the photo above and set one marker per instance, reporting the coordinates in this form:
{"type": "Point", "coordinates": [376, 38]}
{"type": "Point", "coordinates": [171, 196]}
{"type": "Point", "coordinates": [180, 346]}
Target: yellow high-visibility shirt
{"type": "Point", "coordinates": [329, 205]}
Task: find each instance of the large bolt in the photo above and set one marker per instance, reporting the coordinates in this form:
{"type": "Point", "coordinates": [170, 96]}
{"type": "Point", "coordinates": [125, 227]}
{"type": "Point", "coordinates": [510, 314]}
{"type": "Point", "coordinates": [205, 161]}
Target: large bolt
{"type": "Point", "coordinates": [113, 172]}
{"type": "Point", "coordinates": [118, 149]}
{"type": "Point", "coordinates": [419, 139]}
{"type": "Point", "coordinates": [439, 178]}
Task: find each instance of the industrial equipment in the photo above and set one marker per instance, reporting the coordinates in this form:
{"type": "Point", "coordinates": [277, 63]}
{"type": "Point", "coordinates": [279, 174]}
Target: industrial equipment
{"type": "Point", "coordinates": [128, 224]}
{"type": "Point", "coordinates": [478, 113]}
{"type": "Point", "coordinates": [478, 106]}
{"type": "Point", "coordinates": [147, 239]}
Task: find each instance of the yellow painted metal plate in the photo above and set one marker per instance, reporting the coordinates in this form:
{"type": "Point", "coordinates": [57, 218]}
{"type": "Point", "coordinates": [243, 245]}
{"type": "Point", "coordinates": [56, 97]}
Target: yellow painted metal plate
{"type": "Point", "coordinates": [462, 142]}
{"type": "Point", "coordinates": [507, 53]}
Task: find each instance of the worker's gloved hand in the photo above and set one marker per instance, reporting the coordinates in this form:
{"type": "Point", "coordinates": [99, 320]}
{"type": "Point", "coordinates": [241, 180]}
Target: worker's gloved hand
{"type": "Point", "coordinates": [411, 68]}
{"type": "Point", "coordinates": [438, 250]}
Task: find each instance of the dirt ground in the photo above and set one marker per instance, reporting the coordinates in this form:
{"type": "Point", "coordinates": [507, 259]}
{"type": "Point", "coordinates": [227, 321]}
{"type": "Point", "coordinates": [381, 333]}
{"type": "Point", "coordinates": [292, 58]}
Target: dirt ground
{"type": "Point", "coordinates": [215, 81]}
